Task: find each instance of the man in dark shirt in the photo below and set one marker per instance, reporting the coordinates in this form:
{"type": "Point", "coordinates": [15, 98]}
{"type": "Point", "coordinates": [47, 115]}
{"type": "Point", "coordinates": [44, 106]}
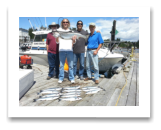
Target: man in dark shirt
{"type": "Point", "coordinates": [79, 50]}
{"type": "Point", "coordinates": [53, 52]}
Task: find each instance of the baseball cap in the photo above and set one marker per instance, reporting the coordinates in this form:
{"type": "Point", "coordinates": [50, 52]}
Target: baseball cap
{"type": "Point", "coordinates": [92, 24]}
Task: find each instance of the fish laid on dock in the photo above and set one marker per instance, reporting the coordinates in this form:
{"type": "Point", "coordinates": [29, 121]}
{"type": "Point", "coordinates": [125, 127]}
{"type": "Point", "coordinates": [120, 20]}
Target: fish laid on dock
{"type": "Point", "coordinates": [70, 99]}
{"type": "Point", "coordinates": [47, 92]}
{"type": "Point", "coordinates": [72, 90]}
{"type": "Point", "coordinates": [71, 95]}
{"type": "Point", "coordinates": [75, 87]}
{"type": "Point", "coordinates": [52, 89]}
{"type": "Point", "coordinates": [50, 95]}
{"type": "Point", "coordinates": [45, 99]}
{"type": "Point", "coordinates": [91, 87]}
{"type": "Point", "coordinates": [86, 90]}
{"type": "Point", "coordinates": [92, 92]}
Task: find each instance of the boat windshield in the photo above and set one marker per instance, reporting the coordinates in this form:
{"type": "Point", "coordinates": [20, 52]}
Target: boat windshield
{"type": "Point", "coordinates": [41, 38]}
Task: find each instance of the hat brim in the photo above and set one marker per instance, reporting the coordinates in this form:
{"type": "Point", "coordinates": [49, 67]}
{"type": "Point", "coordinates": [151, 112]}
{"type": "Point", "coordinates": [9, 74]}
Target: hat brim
{"type": "Point", "coordinates": [57, 25]}
{"type": "Point", "coordinates": [92, 25]}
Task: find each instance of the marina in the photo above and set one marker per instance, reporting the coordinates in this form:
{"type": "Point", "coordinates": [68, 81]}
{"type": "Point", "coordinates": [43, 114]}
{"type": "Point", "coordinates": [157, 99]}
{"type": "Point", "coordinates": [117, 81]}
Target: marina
{"type": "Point", "coordinates": [118, 83]}
{"type": "Point", "coordinates": [125, 82]}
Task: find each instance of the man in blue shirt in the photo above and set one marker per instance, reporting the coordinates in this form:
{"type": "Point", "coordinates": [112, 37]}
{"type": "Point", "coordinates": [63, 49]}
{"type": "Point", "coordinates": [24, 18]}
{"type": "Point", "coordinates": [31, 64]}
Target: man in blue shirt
{"type": "Point", "coordinates": [94, 43]}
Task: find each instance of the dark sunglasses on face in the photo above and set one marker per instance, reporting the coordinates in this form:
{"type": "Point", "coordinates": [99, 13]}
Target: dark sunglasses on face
{"type": "Point", "coordinates": [65, 22]}
{"type": "Point", "coordinates": [79, 24]}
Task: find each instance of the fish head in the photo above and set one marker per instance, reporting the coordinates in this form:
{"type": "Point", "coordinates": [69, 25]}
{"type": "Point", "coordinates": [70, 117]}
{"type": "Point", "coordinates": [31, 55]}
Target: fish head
{"type": "Point", "coordinates": [56, 34]}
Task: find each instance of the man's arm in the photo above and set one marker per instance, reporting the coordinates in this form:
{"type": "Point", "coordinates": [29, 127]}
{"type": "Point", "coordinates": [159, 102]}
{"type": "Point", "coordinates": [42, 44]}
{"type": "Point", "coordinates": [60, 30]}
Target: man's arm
{"type": "Point", "coordinates": [96, 51]}
{"type": "Point", "coordinates": [100, 42]}
{"type": "Point", "coordinates": [47, 46]}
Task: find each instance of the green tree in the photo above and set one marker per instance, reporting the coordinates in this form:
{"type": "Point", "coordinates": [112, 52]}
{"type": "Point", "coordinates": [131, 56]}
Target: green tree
{"type": "Point", "coordinates": [118, 39]}
{"type": "Point", "coordinates": [73, 29]}
{"type": "Point", "coordinates": [137, 44]}
{"type": "Point", "coordinates": [30, 33]}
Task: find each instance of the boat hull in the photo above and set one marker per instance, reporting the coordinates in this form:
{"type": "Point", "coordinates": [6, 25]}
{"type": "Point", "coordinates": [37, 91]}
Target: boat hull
{"type": "Point", "coordinates": [40, 57]}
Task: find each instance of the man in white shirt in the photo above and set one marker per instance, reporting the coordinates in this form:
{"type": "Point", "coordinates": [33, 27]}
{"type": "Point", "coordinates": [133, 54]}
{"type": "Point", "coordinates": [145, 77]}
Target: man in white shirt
{"type": "Point", "coordinates": [65, 51]}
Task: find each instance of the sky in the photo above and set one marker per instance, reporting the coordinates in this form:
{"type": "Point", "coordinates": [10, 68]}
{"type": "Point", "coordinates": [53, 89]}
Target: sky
{"type": "Point", "coordinates": [127, 27]}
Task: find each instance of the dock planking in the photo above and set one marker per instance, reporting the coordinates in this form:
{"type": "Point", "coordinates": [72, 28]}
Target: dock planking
{"type": "Point", "coordinates": [112, 86]}
{"type": "Point", "coordinates": [123, 98]}
{"type": "Point", "coordinates": [137, 84]}
{"type": "Point", "coordinates": [132, 90]}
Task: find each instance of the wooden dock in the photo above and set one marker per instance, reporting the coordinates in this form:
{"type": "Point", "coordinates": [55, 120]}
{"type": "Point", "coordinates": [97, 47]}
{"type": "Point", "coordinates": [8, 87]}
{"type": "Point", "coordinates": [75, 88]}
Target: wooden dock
{"type": "Point", "coordinates": [125, 81]}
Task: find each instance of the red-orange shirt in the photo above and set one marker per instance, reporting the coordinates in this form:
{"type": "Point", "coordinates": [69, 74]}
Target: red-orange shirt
{"type": "Point", "coordinates": [53, 47]}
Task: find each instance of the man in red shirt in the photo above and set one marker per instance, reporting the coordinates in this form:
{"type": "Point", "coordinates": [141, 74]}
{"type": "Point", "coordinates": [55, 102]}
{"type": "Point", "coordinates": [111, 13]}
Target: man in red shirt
{"type": "Point", "coordinates": [52, 51]}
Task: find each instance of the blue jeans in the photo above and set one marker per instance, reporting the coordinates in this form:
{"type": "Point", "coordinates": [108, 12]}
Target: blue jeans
{"type": "Point", "coordinates": [53, 60]}
{"type": "Point", "coordinates": [94, 58]}
{"type": "Point", "coordinates": [62, 56]}
{"type": "Point", "coordinates": [79, 56]}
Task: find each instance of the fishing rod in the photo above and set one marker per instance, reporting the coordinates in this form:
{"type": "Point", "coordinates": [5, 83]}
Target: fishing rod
{"type": "Point", "coordinates": [30, 24]}
{"type": "Point", "coordinates": [40, 21]}
{"type": "Point", "coordinates": [37, 23]}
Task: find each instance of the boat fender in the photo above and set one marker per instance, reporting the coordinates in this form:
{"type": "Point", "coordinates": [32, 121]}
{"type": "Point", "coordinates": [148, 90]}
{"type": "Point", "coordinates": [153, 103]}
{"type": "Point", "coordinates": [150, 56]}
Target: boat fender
{"type": "Point", "coordinates": [114, 70]}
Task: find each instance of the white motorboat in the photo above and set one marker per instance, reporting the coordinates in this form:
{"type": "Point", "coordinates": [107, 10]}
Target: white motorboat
{"type": "Point", "coordinates": [38, 51]}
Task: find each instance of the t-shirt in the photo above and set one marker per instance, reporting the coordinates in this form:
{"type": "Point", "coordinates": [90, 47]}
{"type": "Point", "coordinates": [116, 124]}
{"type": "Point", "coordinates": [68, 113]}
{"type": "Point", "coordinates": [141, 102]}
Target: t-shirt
{"type": "Point", "coordinates": [94, 40]}
{"type": "Point", "coordinates": [79, 46]}
{"type": "Point", "coordinates": [53, 47]}
{"type": "Point", "coordinates": [65, 45]}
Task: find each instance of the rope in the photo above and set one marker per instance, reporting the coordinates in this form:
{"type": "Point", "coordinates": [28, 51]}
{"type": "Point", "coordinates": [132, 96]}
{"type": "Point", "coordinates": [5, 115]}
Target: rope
{"type": "Point", "coordinates": [121, 90]}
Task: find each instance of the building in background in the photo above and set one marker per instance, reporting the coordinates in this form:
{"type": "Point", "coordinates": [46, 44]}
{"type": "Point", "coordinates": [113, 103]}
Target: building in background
{"type": "Point", "coordinates": [23, 35]}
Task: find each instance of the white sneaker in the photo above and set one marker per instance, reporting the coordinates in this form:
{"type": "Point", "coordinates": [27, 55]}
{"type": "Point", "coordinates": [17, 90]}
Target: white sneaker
{"type": "Point", "coordinates": [72, 81]}
{"type": "Point", "coordinates": [59, 81]}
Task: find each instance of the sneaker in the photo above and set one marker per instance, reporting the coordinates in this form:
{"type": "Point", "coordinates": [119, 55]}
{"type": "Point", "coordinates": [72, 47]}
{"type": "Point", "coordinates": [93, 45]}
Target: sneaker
{"type": "Point", "coordinates": [81, 78]}
{"type": "Point", "coordinates": [48, 78]}
{"type": "Point", "coordinates": [72, 81]}
{"type": "Point", "coordinates": [59, 81]}
{"type": "Point", "coordinates": [57, 76]}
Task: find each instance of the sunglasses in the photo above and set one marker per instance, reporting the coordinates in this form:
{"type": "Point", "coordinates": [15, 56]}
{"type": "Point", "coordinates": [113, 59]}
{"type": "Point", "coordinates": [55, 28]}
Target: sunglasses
{"type": "Point", "coordinates": [65, 22]}
{"type": "Point", "coordinates": [79, 24]}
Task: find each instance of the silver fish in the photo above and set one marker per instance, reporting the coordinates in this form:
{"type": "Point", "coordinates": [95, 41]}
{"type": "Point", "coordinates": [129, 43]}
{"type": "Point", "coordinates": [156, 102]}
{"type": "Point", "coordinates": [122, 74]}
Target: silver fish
{"type": "Point", "coordinates": [70, 99]}
{"type": "Point", "coordinates": [75, 87]}
{"type": "Point", "coordinates": [91, 92]}
{"type": "Point", "coordinates": [86, 90]}
{"type": "Point", "coordinates": [46, 98]}
{"type": "Point", "coordinates": [72, 90]}
{"type": "Point", "coordinates": [69, 93]}
{"type": "Point", "coordinates": [52, 89]}
{"type": "Point", "coordinates": [90, 87]}
{"type": "Point", "coordinates": [47, 92]}
{"type": "Point", "coordinates": [72, 95]}
{"type": "Point", "coordinates": [50, 95]}
{"type": "Point", "coordinates": [69, 35]}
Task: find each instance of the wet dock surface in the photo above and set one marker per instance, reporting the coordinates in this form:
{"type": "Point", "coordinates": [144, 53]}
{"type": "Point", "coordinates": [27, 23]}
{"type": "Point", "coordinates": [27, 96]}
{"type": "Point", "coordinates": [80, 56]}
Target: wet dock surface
{"type": "Point", "coordinates": [126, 82]}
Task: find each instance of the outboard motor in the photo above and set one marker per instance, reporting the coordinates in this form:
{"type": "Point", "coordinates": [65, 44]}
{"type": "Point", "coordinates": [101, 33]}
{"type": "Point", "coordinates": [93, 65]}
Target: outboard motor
{"type": "Point", "coordinates": [24, 48]}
